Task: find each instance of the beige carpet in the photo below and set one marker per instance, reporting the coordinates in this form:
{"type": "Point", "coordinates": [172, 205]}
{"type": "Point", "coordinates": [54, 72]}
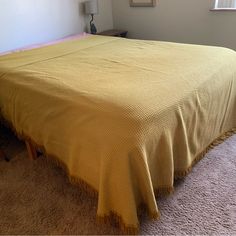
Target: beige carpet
{"type": "Point", "coordinates": [37, 198]}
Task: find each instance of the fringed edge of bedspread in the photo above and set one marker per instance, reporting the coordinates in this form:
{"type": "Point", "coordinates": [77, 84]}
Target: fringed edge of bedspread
{"type": "Point", "coordinates": [114, 216]}
{"type": "Point", "coordinates": [179, 174]}
{"type": "Point", "coordinates": [106, 219]}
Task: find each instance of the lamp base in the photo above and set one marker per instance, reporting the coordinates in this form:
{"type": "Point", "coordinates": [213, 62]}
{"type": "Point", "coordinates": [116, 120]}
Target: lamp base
{"type": "Point", "coordinates": [93, 28]}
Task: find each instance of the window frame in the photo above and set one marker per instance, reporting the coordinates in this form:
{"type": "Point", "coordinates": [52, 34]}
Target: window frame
{"type": "Point", "coordinates": [216, 8]}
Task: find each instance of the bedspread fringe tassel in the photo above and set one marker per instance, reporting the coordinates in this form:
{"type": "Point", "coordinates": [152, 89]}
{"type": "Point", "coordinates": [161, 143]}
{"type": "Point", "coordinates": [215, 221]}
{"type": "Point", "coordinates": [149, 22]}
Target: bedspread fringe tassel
{"type": "Point", "coordinates": [113, 216]}
{"type": "Point", "coordinates": [179, 174]}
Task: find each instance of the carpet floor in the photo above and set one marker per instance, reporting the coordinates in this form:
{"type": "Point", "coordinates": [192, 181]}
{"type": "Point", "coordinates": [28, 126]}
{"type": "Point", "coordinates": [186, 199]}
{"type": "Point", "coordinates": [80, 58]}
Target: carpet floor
{"type": "Point", "coordinates": [37, 198]}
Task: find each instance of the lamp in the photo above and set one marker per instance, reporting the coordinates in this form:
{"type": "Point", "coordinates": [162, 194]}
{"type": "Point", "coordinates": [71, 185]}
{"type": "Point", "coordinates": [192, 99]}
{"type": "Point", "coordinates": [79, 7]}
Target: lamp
{"type": "Point", "coordinates": [91, 8]}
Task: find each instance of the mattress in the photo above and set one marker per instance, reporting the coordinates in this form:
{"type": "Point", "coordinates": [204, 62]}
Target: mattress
{"type": "Point", "coordinates": [123, 116]}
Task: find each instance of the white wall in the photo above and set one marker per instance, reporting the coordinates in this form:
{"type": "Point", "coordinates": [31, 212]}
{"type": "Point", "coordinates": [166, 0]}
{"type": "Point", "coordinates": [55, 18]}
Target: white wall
{"type": "Point", "coordinates": [104, 20]}
{"type": "Point", "coordinates": [188, 21]}
{"type": "Point", "coordinates": [27, 22]}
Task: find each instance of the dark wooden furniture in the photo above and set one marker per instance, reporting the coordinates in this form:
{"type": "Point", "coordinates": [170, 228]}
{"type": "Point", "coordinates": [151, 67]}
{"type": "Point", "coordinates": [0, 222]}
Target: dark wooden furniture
{"type": "Point", "coordinates": [114, 33]}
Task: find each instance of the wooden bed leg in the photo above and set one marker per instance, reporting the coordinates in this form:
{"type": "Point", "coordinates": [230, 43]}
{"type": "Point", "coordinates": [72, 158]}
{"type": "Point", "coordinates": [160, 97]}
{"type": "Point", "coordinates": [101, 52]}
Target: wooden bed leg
{"type": "Point", "coordinates": [32, 153]}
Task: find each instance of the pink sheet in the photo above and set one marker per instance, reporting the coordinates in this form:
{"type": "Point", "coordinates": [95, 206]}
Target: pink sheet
{"type": "Point", "coordinates": [72, 37]}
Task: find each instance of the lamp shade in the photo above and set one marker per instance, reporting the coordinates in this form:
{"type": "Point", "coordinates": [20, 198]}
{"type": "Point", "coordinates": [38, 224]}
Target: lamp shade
{"type": "Point", "coordinates": [91, 7]}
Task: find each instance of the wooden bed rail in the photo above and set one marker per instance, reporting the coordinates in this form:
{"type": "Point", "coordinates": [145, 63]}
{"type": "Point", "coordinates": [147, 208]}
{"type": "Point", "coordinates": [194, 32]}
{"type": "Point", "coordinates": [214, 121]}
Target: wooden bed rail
{"type": "Point", "coordinates": [32, 152]}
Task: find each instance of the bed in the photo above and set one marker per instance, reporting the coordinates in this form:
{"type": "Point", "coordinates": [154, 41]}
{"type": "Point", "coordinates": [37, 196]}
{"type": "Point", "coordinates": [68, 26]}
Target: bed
{"type": "Point", "coordinates": [124, 117]}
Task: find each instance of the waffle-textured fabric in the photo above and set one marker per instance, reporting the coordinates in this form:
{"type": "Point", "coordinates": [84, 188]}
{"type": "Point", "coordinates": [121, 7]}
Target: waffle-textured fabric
{"type": "Point", "coordinates": [123, 115]}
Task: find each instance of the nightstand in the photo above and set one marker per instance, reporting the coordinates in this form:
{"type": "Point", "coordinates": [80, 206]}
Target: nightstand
{"type": "Point", "coordinates": [114, 33]}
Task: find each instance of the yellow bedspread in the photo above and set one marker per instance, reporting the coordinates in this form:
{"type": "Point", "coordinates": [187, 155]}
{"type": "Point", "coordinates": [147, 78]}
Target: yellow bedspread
{"type": "Point", "coordinates": [123, 115]}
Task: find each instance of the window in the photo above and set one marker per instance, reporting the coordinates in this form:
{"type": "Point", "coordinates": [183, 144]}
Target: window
{"type": "Point", "coordinates": [225, 4]}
